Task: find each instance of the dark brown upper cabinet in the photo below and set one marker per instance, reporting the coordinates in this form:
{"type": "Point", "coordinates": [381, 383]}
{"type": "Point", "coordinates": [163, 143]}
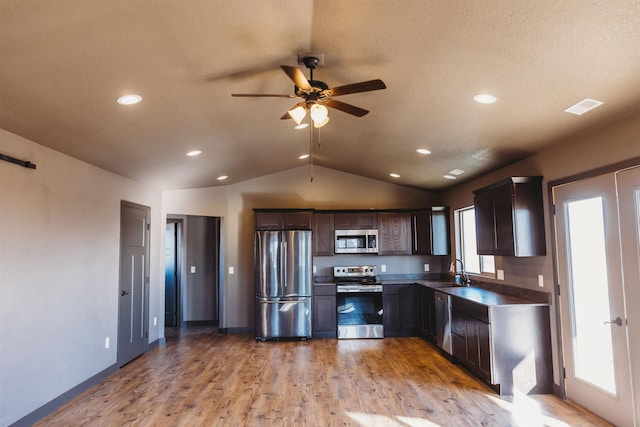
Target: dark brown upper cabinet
{"type": "Point", "coordinates": [323, 234]}
{"type": "Point", "coordinates": [430, 231]}
{"type": "Point", "coordinates": [355, 220]}
{"type": "Point", "coordinates": [394, 233]}
{"type": "Point", "coordinates": [283, 219]}
{"type": "Point", "coordinates": [510, 218]}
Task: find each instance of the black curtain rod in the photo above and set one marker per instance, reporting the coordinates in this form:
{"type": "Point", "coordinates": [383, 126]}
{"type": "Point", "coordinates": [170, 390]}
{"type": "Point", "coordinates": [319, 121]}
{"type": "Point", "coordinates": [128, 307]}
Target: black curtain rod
{"type": "Point", "coordinates": [23, 163]}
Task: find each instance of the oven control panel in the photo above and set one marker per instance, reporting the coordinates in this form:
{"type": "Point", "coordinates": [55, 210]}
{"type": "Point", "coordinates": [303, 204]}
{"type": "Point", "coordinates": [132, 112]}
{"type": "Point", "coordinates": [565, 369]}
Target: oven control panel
{"type": "Point", "coordinates": [363, 271]}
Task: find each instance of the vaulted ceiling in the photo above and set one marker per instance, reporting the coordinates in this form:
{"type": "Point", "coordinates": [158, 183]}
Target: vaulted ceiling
{"type": "Point", "coordinates": [64, 63]}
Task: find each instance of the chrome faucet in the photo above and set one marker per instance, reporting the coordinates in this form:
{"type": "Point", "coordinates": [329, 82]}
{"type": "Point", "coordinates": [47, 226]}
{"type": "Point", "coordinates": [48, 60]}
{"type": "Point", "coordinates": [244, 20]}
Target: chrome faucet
{"type": "Point", "coordinates": [463, 275]}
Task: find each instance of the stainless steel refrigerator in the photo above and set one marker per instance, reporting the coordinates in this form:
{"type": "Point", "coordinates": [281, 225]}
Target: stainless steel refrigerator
{"type": "Point", "coordinates": [283, 284]}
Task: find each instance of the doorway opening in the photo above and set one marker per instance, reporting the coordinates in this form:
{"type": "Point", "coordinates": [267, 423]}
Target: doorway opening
{"type": "Point", "coordinates": [192, 271]}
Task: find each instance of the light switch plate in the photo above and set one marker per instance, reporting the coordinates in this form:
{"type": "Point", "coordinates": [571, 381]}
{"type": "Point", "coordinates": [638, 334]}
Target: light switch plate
{"type": "Point", "coordinates": [383, 268]}
{"type": "Point", "coordinates": [314, 269]}
{"type": "Point", "coordinates": [231, 270]}
{"type": "Point", "coordinates": [193, 268]}
{"type": "Point", "coordinates": [106, 342]}
{"type": "Point", "coordinates": [540, 280]}
{"type": "Point", "coordinates": [426, 267]}
{"type": "Point", "coordinates": [500, 274]}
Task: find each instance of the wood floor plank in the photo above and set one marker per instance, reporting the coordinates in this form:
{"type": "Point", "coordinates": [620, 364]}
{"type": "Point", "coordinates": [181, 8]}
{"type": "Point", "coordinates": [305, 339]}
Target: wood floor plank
{"type": "Point", "coordinates": [203, 378]}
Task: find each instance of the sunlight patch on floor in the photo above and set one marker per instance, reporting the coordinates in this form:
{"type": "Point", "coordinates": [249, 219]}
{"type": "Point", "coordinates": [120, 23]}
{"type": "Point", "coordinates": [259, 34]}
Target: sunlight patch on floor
{"type": "Point", "coordinates": [372, 420]}
{"type": "Point", "coordinates": [526, 411]}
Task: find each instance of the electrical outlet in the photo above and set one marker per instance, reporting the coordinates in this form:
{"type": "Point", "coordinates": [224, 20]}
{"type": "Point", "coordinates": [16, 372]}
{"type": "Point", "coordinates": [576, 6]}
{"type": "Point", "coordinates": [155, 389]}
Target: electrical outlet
{"type": "Point", "coordinates": [106, 342]}
{"type": "Point", "coordinates": [500, 274]}
{"type": "Point", "coordinates": [383, 268]}
{"type": "Point", "coordinates": [231, 270]}
{"type": "Point", "coordinates": [314, 269]}
{"type": "Point", "coordinates": [540, 280]}
{"type": "Point", "coordinates": [426, 267]}
{"type": "Point", "coordinates": [155, 321]}
{"type": "Point", "coordinates": [193, 269]}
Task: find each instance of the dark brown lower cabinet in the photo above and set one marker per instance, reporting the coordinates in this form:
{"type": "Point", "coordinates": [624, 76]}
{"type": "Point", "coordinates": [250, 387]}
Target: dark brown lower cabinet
{"type": "Point", "coordinates": [399, 310]}
{"type": "Point", "coordinates": [324, 316]}
{"type": "Point", "coordinates": [426, 312]}
{"type": "Point", "coordinates": [508, 347]}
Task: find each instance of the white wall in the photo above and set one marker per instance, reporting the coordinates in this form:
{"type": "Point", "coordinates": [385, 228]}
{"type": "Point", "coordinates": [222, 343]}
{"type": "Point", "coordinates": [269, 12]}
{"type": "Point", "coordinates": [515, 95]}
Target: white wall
{"type": "Point", "coordinates": [330, 189]}
{"type": "Point", "coordinates": [59, 262]}
{"type": "Point", "coordinates": [574, 155]}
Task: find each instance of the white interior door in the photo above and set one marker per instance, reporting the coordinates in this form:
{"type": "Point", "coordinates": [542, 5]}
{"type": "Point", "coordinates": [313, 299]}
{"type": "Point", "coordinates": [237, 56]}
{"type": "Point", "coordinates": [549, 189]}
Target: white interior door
{"type": "Point", "coordinates": [628, 182]}
{"type": "Point", "coordinates": [592, 299]}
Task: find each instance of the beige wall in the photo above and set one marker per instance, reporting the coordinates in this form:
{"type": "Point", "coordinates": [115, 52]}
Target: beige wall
{"type": "Point", "coordinates": [59, 272]}
{"type": "Point", "coordinates": [577, 154]}
{"type": "Point", "coordinates": [289, 189]}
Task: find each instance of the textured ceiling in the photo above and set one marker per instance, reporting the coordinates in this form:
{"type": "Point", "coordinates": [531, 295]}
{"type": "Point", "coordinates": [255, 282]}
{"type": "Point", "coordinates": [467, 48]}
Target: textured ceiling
{"type": "Point", "coordinates": [63, 64]}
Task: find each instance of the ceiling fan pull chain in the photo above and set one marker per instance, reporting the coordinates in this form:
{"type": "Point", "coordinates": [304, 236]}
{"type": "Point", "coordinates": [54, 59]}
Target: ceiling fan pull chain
{"type": "Point", "coordinates": [311, 151]}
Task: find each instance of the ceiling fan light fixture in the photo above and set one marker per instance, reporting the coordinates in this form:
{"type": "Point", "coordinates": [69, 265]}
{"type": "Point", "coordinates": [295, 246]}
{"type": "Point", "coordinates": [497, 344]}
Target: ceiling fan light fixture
{"type": "Point", "coordinates": [318, 112]}
{"type": "Point", "coordinates": [317, 124]}
{"type": "Point", "coordinates": [297, 114]}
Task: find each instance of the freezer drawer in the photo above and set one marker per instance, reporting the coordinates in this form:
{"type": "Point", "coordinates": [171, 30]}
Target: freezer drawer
{"type": "Point", "coordinates": [283, 318]}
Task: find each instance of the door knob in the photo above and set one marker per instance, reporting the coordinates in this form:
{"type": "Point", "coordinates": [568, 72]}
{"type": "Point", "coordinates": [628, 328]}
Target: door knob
{"type": "Point", "coordinates": [617, 321]}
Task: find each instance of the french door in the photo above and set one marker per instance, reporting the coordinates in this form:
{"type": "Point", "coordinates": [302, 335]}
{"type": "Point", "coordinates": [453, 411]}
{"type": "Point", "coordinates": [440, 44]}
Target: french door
{"type": "Point", "coordinates": [594, 217]}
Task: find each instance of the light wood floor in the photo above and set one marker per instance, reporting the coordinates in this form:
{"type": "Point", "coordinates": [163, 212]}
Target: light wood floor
{"type": "Point", "coordinates": [202, 378]}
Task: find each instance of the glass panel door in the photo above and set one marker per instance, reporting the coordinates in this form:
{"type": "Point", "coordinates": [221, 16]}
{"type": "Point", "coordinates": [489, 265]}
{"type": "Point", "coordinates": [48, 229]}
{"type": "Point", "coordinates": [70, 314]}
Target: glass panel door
{"type": "Point", "coordinates": [595, 349]}
{"type": "Point", "coordinates": [628, 183]}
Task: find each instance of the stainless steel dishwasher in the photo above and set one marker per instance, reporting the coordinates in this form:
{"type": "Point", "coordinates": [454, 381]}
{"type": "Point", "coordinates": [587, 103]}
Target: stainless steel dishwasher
{"type": "Point", "coordinates": [443, 321]}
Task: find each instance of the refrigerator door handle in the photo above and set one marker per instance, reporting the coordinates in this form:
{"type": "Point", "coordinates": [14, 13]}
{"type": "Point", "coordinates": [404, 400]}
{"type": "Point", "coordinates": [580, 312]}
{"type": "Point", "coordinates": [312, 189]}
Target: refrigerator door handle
{"type": "Point", "coordinates": [282, 302]}
{"type": "Point", "coordinates": [283, 268]}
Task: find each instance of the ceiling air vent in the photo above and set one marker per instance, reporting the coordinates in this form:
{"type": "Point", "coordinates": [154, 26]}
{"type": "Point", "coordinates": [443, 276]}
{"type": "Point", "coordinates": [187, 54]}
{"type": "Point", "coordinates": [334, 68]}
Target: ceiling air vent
{"type": "Point", "coordinates": [583, 106]}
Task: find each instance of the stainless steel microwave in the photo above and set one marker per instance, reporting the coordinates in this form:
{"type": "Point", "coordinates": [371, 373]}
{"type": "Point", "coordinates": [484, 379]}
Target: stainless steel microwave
{"type": "Point", "coordinates": [356, 242]}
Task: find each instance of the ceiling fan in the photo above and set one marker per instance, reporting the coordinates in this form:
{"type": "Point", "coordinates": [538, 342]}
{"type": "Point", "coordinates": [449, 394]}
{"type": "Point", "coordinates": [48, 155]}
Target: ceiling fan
{"type": "Point", "coordinates": [317, 95]}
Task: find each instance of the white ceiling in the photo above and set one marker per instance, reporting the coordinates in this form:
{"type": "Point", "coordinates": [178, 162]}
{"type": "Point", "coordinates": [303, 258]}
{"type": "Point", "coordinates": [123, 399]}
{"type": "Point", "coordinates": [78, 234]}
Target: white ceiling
{"type": "Point", "coordinates": [63, 63]}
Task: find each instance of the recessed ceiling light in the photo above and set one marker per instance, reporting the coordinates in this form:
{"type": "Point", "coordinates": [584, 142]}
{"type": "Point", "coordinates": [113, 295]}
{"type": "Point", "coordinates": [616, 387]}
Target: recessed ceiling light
{"type": "Point", "coordinates": [485, 98]}
{"type": "Point", "coordinates": [194, 153]}
{"type": "Point", "coordinates": [303, 156]}
{"type": "Point", "coordinates": [302, 126]}
{"type": "Point", "coordinates": [449, 176]}
{"type": "Point", "coordinates": [456, 172]}
{"type": "Point", "coordinates": [394, 175]}
{"type": "Point", "coordinates": [583, 106]}
{"type": "Point", "coordinates": [129, 99]}
{"type": "Point", "coordinates": [423, 151]}
{"type": "Point", "coordinates": [222, 177]}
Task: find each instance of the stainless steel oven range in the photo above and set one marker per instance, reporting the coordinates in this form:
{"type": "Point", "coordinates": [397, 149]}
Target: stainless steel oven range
{"type": "Point", "coordinates": [359, 302]}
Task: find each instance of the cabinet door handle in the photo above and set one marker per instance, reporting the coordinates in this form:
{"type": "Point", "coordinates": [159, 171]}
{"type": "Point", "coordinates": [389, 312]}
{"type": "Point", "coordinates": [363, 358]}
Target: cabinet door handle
{"type": "Point", "coordinates": [124, 293]}
{"type": "Point", "coordinates": [617, 321]}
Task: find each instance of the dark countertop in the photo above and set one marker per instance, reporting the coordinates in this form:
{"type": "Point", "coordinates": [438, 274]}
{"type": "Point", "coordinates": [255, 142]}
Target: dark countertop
{"type": "Point", "coordinates": [486, 298]}
{"type": "Point", "coordinates": [473, 294]}
{"type": "Point", "coordinates": [476, 295]}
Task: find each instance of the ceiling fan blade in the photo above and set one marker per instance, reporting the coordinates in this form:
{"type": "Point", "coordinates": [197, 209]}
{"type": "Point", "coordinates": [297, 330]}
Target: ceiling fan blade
{"type": "Point", "coordinates": [355, 88]}
{"type": "Point", "coordinates": [347, 108]}
{"type": "Point", "coordinates": [298, 77]}
{"type": "Point", "coordinates": [273, 95]}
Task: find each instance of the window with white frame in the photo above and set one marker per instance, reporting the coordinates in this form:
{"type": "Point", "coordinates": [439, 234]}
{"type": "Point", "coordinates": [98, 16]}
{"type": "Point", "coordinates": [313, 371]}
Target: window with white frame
{"type": "Point", "coordinates": [467, 250]}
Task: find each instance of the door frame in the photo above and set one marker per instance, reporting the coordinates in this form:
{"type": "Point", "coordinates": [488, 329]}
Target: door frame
{"type": "Point", "coordinates": [560, 389]}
